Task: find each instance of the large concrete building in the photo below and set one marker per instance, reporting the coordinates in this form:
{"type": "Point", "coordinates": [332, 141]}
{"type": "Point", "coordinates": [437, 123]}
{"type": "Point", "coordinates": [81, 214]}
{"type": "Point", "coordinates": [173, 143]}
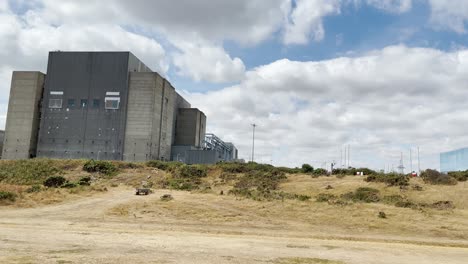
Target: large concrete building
{"type": "Point", "coordinates": [2, 135]}
{"type": "Point", "coordinates": [455, 160]}
{"type": "Point", "coordinates": [98, 105]}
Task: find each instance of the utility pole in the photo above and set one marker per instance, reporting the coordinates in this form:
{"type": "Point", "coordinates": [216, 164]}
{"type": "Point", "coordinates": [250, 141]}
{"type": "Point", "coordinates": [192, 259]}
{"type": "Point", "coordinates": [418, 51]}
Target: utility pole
{"type": "Point", "coordinates": [411, 161]}
{"type": "Point", "coordinates": [401, 168]}
{"type": "Point", "coordinates": [253, 141]}
{"type": "Point", "coordinates": [419, 167]}
{"type": "Point", "coordinates": [349, 155]}
{"type": "Point", "coordinates": [341, 157]}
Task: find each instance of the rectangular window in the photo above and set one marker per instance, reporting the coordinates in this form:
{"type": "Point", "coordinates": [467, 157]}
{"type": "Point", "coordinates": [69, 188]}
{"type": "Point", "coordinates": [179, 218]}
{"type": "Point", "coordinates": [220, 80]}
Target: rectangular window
{"type": "Point", "coordinates": [71, 103]}
{"type": "Point", "coordinates": [84, 103]}
{"type": "Point", "coordinates": [96, 103]}
{"type": "Point", "coordinates": [112, 102]}
{"type": "Point", "coordinates": [55, 103]}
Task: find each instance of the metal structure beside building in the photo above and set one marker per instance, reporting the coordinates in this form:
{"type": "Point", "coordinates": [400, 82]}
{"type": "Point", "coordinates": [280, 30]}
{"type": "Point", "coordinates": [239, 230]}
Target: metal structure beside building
{"type": "Point", "coordinates": [100, 105]}
{"type": "Point", "coordinates": [456, 160]}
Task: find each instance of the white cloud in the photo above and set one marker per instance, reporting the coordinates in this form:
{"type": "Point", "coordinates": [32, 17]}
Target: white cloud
{"type": "Point", "coordinates": [206, 62]}
{"type": "Point", "coordinates": [244, 21]}
{"type": "Point", "coordinates": [393, 6]}
{"type": "Point", "coordinates": [380, 103]}
{"type": "Point", "coordinates": [451, 15]}
{"type": "Point", "coordinates": [305, 21]}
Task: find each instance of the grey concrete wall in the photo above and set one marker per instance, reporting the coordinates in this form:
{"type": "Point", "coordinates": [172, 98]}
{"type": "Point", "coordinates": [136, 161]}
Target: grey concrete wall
{"type": "Point", "coordinates": [167, 123]}
{"type": "Point", "coordinates": [203, 157]}
{"type": "Point", "coordinates": [23, 115]}
{"type": "Point", "coordinates": [89, 130]}
{"type": "Point", "coordinates": [2, 137]}
{"type": "Point", "coordinates": [152, 109]}
{"type": "Point", "coordinates": [143, 117]}
{"type": "Point", "coordinates": [190, 128]}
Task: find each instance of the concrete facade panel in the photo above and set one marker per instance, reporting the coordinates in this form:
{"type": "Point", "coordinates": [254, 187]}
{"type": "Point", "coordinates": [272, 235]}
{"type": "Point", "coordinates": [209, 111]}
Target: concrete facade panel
{"type": "Point", "coordinates": [22, 123]}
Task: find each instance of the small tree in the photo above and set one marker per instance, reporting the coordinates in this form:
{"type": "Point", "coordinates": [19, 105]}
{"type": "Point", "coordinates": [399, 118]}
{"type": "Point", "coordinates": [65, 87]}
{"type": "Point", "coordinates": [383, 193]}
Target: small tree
{"type": "Point", "coordinates": [306, 168]}
{"type": "Point", "coordinates": [54, 181]}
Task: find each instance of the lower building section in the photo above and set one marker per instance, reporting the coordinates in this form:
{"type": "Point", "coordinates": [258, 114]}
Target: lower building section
{"type": "Point", "coordinates": [456, 160]}
{"type": "Point", "coordinates": [23, 116]}
{"type": "Point", "coordinates": [214, 150]}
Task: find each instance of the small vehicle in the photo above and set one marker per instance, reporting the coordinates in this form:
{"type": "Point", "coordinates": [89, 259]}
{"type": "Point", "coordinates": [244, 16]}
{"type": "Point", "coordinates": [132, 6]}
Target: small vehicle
{"type": "Point", "coordinates": [142, 191]}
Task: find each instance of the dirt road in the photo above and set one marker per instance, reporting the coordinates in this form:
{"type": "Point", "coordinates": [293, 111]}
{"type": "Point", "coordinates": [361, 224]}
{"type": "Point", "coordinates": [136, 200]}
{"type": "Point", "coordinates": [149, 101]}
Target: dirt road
{"type": "Point", "coordinates": [82, 231]}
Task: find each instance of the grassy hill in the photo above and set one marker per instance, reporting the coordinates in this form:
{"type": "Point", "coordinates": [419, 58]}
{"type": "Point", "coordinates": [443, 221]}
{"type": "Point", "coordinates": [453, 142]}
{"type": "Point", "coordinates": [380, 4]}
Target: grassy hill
{"type": "Point", "coordinates": [253, 195]}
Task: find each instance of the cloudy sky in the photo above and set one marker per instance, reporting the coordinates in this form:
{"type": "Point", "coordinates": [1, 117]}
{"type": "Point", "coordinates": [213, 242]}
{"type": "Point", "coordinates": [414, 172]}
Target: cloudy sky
{"type": "Point", "coordinates": [383, 76]}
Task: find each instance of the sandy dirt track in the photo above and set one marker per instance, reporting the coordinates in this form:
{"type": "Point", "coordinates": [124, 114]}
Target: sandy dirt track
{"type": "Point", "coordinates": [82, 231]}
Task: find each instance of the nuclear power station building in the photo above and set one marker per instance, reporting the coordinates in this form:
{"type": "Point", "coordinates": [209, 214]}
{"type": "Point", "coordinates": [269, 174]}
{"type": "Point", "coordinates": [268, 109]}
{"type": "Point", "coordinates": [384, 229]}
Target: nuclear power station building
{"type": "Point", "coordinates": [104, 105]}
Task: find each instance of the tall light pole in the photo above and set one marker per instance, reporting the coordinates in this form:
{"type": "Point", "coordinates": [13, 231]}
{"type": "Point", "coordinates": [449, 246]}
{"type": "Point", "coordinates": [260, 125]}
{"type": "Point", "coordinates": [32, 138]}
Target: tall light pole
{"type": "Point", "coordinates": [419, 166]}
{"type": "Point", "coordinates": [253, 141]}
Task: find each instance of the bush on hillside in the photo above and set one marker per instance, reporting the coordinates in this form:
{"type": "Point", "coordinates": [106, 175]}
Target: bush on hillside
{"type": "Point", "coordinates": [320, 172]}
{"type": "Point", "coordinates": [100, 166]}
{"type": "Point", "coordinates": [435, 177]}
{"type": "Point", "coordinates": [236, 167]}
{"type": "Point", "coordinates": [363, 194]}
{"type": "Point", "coordinates": [289, 170]}
{"type": "Point", "coordinates": [306, 168]}
{"type": "Point", "coordinates": [28, 172]}
{"type": "Point", "coordinates": [391, 179]}
{"type": "Point", "coordinates": [54, 181]}
{"type": "Point", "coordinates": [34, 189]}
{"type": "Point", "coordinates": [7, 196]}
{"type": "Point", "coordinates": [164, 165]}
{"type": "Point", "coordinates": [353, 171]}
{"type": "Point", "coordinates": [261, 185]}
{"type": "Point", "coordinates": [187, 177]}
{"type": "Point", "coordinates": [85, 181]}
{"type": "Point", "coordinates": [459, 175]}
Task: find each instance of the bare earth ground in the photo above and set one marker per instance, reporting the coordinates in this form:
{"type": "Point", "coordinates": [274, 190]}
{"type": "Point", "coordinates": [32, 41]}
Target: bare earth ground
{"type": "Point", "coordinates": [119, 227]}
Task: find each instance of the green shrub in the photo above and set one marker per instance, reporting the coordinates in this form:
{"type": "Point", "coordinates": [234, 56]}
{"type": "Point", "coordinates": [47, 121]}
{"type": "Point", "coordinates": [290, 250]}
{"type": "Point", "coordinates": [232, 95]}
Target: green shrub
{"type": "Point", "coordinates": [28, 172]}
{"type": "Point", "coordinates": [191, 171]}
{"type": "Point", "coordinates": [186, 177]}
{"type": "Point", "coordinates": [69, 185]}
{"type": "Point", "coordinates": [7, 196]}
{"type": "Point", "coordinates": [34, 189]}
{"type": "Point", "coordinates": [363, 194]}
{"type": "Point", "coordinates": [183, 184]}
{"type": "Point", "coordinates": [353, 171]}
{"type": "Point", "coordinates": [129, 165]}
{"type": "Point", "coordinates": [260, 185]}
{"type": "Point", "coordinates": [85, 181]}
{"type": "Point", "coordinates": [325, 197]}
{"type": "Point", "coordinates": [306, 168]}
{"type": "Point", "coordinates": [164, 165]}
{"type": "Point", "coordinates": [391, 179]}
{"type": "Point", "coordinates": [459, 175]}
{"type": "Point", "coordinates": [236, 167]}
{"type": "Point", "coordinates": [289, 170]}
{"type": "Point", "coordinates": [320, 172]}
{"type": "Point", "coordinates": [100, 166]}
{"type": "Point", "coordinates": [54, 181]}
{"type": "Point", "coordinates": [435, 177]}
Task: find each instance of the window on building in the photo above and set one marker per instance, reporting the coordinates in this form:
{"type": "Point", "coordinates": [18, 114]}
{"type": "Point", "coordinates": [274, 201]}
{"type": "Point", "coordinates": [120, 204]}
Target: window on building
{"type": "Point", "coordinates": [71, 103]}
{"type": "Point", "coordinates": [84, 103]}
{"type": "Point", "coordinates": [112, 102]}
{"type": "Point", "coordinates": [55, 103]}
{"type": "Point", "coordinates": [96, 103]}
